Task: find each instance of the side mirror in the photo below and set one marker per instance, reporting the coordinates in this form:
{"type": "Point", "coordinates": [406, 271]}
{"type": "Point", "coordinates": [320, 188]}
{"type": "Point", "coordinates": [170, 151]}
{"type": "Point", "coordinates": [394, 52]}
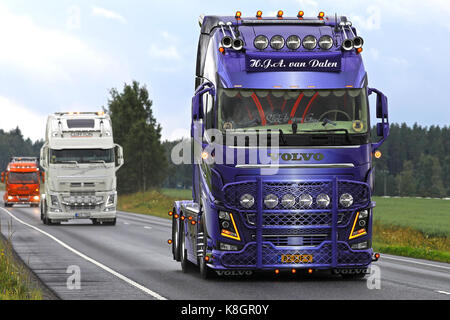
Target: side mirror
{"type": "Point", "coordinates": [381, 113]}
{"type": "Point", "coordinates": [197, 101]}
{"type": "Point", "coordinates": [119, 156]}
{"type": "Point", "coordinates": [43, 160]}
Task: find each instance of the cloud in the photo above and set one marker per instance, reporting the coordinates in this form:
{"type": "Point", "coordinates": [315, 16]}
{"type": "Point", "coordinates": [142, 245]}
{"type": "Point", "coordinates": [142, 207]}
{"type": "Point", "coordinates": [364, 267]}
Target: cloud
{"type": "Point", "coordinates": [74, 18]}
{"type": "Point", "coordinates": [108, 14]}
{"type": "Point", "coordinates": [30, 123]}
{"type": "Point", "coordinates": [370, 22]}
{"type": "Point", "coordinates": [48, 55]}
{"type": "Point", "coordinates": [166, 48]}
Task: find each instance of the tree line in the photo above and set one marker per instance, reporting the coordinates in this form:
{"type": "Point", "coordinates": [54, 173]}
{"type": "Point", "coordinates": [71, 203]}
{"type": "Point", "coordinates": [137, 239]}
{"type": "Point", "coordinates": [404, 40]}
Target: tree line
{"type": "Point", "coordinates": [415, 160]}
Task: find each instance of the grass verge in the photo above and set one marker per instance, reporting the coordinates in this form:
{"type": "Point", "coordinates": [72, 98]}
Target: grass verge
{"type": "Point", "coordinates": [153, 202]}
{"type": "Point", "coordinates": [15, 281]}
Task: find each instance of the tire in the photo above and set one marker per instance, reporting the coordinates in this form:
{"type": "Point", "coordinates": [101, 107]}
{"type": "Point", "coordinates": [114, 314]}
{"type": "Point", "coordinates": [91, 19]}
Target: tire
{"type": "Point", "coordinates": [186, 265]}
{"type": "Point", "coordinates": [205, 272]}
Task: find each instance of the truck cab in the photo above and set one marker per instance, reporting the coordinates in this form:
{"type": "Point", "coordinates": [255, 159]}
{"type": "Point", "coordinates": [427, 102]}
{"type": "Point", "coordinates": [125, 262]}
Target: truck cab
{"type": "Point", "coordinates": [22, 179]}
{"type": "Point", "coordinates": [282, 150]}
{"type": "Point", "coordinates": [80, 159]}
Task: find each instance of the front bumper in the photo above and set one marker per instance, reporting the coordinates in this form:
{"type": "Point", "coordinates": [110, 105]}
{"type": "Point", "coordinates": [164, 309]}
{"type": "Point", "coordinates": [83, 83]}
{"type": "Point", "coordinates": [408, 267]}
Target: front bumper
{"type": "Point", "coordinates": [321, 234]}
{"type": "Point", "coordinates": [22, 199]}
{"type": "Point", "coordinates": [65, 216]}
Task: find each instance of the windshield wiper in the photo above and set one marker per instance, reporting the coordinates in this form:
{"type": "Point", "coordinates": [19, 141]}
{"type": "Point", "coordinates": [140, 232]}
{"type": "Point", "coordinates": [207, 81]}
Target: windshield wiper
{"type": "Point", "coordinates": [98, 161]}
{"type": "Point", "coordinates": [347, 135]}
{"type": "Point", "coordinates": [283, 138]}
{"type": "Point", "coordinates": [70, 162]}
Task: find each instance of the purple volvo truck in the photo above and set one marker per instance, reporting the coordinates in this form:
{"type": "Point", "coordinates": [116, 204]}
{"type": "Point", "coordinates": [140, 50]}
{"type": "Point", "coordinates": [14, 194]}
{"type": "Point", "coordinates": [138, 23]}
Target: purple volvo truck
{"type": "Point", "coordinates": [300, 82]}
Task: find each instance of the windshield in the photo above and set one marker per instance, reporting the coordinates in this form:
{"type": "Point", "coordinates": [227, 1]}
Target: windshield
{"type": "Point", "coordinates": [23, 177]}
{"type": "Point", "coordinates": [82, 156]}
{"type": "Point", "coordinates": [338, 111]}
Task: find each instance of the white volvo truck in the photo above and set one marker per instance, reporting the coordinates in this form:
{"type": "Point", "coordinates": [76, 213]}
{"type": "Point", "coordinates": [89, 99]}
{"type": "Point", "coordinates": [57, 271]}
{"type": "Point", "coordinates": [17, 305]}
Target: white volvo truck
{"type": "Point", "coordinates": [80, 160]}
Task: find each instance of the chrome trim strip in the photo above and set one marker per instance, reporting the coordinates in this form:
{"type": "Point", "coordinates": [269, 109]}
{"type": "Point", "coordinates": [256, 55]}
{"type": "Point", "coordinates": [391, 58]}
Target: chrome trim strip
{"type": "Point", "coordinates": [293, 166]}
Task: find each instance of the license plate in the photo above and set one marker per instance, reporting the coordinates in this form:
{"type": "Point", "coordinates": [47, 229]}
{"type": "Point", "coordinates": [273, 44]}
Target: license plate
{"type": "Point", "coordinates": [23, 199]}
{"type": "Point", "coordinates": [296, 258]}
{"type": "Point", "coordinates": [83, 215]}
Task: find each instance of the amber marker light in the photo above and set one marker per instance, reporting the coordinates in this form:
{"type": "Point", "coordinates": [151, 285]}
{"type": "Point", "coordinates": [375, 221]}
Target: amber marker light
{"type": "Point", "coordinates": [205, 155]}
{"type": "Point", "coordinates": [207, 258]}
{"type": "Point", "coordinates": [310, 271]}
{"type": "Point", "coordinates": [176, 216]}
{"type": "Point", "coordinates": [193, 222]}
{"type": "Point", "coordinates": [321, 15]}
{"type": "Point", "coordinates": [277, 271]}
{"type": "Point", "coordinates": [170, 213]}
{"type": "Point", "coordinates": [222, 50]}
{"type": "Point", "coordinates": [182, 218]}
{"type": "Point", "coordinates": [238, 15]}
{"type": "Point", "coordinates": [377, 154]}
{"type": "Point", "coordinates": [294, 271]}
{"type": "Point", "coordinates": [259, 14]}
{"type": "Point", "coordinates": [169, 241]}
{"type": "Point", "coordinates": [359, 50]}
{"type": "Point", "coordinates": [280, 14]}
{"type": "Point", "coordinates": [300, 14]}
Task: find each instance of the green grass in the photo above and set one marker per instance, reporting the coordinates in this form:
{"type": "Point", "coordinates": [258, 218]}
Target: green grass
{"type": "Point", "coordinates": [15, 282]}
{"type": "Point", "coordinates": [418, 228]}
{"type": "Point", "coordinates": [153, 202]}
{"type": "Point", "coordinates": [430, 216]}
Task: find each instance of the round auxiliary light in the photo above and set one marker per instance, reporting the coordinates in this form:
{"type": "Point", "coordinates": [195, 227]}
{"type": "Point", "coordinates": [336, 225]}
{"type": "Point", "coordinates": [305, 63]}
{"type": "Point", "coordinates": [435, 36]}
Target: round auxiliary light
{"type": "Point", "coordinates": [293, 42]}
{"type": "Point", "coordinates": [277, 42]}
{"type": "Point", "coordinates": [271, 201]}
{"type": "Point", "coordinates": [288, 201]}
{"type": "Point", "coordinates": [323, 200]}
{"type": "Point", "coordinates": [310, 42]}
{"type": "Point", "coordinates": [325, 42]}
{"type": "Point", "coordinates": [247, 201]}
{"type": "Point", "coordinates": [346, 200]}
{"type": "Point", "coordinates": [261, 42]}
{"type": "Point", "coordinates": [305, 201]}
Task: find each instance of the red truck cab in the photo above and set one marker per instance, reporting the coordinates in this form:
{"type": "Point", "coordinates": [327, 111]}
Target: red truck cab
{"type": "Point", "coordinates": [22, 179]}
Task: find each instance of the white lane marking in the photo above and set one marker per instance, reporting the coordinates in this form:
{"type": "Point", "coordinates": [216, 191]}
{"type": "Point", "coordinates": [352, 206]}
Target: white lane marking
{"type": "Point", "coordinates": [148, 228]}
{"type": "Point", "coordinates": [98, 264]}
{"type": "Point", "coordinates": [416, 262]}
{"type": "Point", "coordinates": [126, 223]}
{"type": "Point", "coordinates": [443, 292]}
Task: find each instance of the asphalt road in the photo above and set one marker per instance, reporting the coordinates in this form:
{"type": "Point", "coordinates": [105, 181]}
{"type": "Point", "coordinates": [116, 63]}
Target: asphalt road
{"type": "Point", "coordinates": [133, 261]}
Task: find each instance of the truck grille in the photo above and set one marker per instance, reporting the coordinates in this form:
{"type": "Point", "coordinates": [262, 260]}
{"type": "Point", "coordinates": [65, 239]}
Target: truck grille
{"type": "Point", "coordinates": [297, 218]}
{"type": "Point", "coordinates": [234, 191]}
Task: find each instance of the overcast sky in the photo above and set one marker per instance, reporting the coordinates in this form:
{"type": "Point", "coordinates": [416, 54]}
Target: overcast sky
{"type": "Point", "coordinates": [65, 55]}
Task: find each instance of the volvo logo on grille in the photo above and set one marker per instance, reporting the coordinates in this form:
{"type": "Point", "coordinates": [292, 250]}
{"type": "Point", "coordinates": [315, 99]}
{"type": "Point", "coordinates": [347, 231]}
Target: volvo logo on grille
{"type": "Point", "coordinates": [297, 156]}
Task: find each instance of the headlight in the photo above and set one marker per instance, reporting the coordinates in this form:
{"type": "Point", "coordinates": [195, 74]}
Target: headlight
{"type": "Point", "coordinates": [323, 200]}
{"type": "Point", "coordinates": [271, 201]}
{"type": "Point", "coordinates": [309, 42]}
{"type": "Point", "coordinates": [305, 201]}
{"type": "Point", "coordinates": [54, 200]}
{"type": "Point", "coordinates": [346, 200]}
{"type": "Point", "coordinates": [247, 201]}
{"type": "Point", "coordinates": [293, 42]}
{"type": "Point", "coordinates": [261, 42]}
{"type": "Point", "coordinates": [277, 42]}
{"type": "Point", "coordinates": [288, 201]}
{"type": "Point", "coordinates": [111, 200]}
{"type": "Point", "coordinates": [325, 42]}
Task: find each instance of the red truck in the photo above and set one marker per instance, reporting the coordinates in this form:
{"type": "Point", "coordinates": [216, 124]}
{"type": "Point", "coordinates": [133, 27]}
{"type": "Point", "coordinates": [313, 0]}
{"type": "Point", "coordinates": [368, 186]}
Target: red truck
{"type": "Point", "coordinates": [22, 179]}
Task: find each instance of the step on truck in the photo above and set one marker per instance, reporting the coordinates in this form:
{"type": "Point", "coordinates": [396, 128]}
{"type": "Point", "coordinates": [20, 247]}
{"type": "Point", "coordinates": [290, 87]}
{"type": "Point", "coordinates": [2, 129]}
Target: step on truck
{"type": "Point", "coordinates": [22, 182]}
{"type": "Point", "coordinates": [80, 160]}
{"type": "Point", "coordinates": [282, 152]}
